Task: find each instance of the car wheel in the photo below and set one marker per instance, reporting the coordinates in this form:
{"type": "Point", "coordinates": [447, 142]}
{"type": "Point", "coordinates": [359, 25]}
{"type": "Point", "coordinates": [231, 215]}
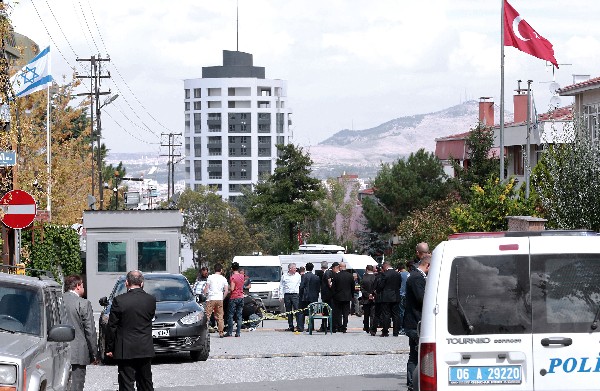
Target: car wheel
{"type": "Point", "coordinates": [202, 354]}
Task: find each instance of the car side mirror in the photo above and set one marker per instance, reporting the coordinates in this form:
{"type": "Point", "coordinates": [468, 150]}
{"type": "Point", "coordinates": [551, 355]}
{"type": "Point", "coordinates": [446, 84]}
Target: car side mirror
{"type": "Point", "coordinates": [200, 298]}
{"type": "Point", "coordinates": [61, 333]}
{"type": "Point", "coordinates": [103, 301]}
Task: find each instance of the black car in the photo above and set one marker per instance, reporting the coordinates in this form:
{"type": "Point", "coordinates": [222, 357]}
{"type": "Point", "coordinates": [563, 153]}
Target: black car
{"type": "Point", "coordinates": [180, 323]}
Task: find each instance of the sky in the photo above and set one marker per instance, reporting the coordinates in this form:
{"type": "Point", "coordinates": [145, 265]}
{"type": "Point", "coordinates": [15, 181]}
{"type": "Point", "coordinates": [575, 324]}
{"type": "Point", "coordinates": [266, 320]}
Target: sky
{"type": "Point", "coordinates": [349, 64]}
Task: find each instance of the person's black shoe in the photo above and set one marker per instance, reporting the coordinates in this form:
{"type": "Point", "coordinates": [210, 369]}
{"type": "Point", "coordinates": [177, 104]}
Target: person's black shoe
{"type": "Point", "coordinates": [289, 329]}
{"type": "Point", "coordinates": [384, 335]}
{"type": "Point", "coordinates": [373, 333]}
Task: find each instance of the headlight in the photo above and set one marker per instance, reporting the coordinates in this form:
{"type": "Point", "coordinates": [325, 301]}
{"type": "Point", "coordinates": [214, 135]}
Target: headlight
{"type": "Point", "coordinates": [8, 374]}
{"type": "Point", "coordinates": [191, 318]}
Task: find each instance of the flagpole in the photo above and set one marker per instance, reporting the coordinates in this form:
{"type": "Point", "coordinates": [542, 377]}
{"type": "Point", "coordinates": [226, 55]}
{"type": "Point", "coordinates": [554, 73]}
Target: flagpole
{"type": "Point", "coordinates": [527, 168]}
{"type": "Point", "coordinates": [502, 93]}
{"type": "Point", "coordinates": [48, 153]}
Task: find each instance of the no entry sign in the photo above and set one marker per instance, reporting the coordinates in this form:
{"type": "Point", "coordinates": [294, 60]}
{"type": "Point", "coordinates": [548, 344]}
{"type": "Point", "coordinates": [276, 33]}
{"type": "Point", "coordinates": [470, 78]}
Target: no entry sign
{"type": "Point", "coordinates": [18, 209]}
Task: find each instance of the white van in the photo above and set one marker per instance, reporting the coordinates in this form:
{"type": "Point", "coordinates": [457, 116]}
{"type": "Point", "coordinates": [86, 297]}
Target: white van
{"type": "Point", "coordinates": [512, 311]}
{"type": "Point", "coordinates": [265, 273]}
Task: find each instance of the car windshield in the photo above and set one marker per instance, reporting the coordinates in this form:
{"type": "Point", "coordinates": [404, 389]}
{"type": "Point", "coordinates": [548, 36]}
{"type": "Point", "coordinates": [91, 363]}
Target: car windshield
{"type": "Point", "coordinates": [263, 273]}
{"type": "Point", "coordinates": [20, 309]}
{"type": "Point", "coordinates": [163, 288]}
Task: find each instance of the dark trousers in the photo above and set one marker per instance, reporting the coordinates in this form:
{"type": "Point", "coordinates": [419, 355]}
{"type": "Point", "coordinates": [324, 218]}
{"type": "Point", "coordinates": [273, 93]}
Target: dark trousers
{"type": "Point", "coordinates": [401, 308]}
{"type": "Point", "coordinates": [413, 355]}
{"type": "Point", "coordinates": [368, 316]}
{"type": "Point", "coordinates": [304, 314]}
{"type": "Point", "coordinates": [291, 301]}
{"type": "Point", "coordinates": [324, 324]}
{"type": "Point", "coordinates": [77, 377]}
{"type": "Point", "coordinates": [390, 311]}
{"type": "Point", "coordinates": [235, 311]}
{"type": "Point", "coordinates": [341, 309]}
{"type": "Point", "coordinates": [138, 370]}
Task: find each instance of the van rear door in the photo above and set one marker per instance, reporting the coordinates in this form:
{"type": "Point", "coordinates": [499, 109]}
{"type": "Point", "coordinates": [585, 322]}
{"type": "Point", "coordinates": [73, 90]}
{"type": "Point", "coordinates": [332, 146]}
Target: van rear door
{"type": "Point", "coordinates": [565, 287]}
{"type": "Point", "coordinates": [483, 329]}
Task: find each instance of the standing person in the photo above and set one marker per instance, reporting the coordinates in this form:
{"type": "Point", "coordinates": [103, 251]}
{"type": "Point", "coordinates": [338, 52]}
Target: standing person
{"type": "Point", "coordinates": [421, 251]}
{"type": "Point", "coordinates": [84, 347]}
{"type": "Point", "coordinates": [415, 292]}
{"type": "Point", "coordinates": [343, 292]}
{"type": "Point", "coordinates": [215, 290]}
{"type": "Point", "coordinates": [355, 307]}
{"type": "Point", "coordinates": [301, 270]}
{"type": "Point", "coordinates": [247, 281]}
{"type": "Point", "coordinates": [366, 288]}
{"type": "Point", "coordinates": [289, 292]}
{"type": "Point", "coordinates": [389, 289]}
{"type": "Point", "coordinates": [310, 286]}
{"type": "Point", "coordinates": [236, 299]}
{"type": "Point", "coordinates": [404, 276]}
{"type": "Point", "coordinates": [326, 292]}
{"type": "Point", "coordinates": [201, 279]}
{"type": "Point", "coordinates": [129, 334]}
{"type": "Point", "coordinates": [376, 302]}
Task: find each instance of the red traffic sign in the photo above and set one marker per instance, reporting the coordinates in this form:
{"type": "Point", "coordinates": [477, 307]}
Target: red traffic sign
{"type": "Point", "coordinates": [18, 209]}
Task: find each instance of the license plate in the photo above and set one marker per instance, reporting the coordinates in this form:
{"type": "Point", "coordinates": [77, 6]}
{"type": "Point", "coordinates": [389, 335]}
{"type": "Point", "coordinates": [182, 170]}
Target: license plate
{"type": "Point", "coordinates": [160, 333]}
{"type": "Point", "coordinates": [499, 374]}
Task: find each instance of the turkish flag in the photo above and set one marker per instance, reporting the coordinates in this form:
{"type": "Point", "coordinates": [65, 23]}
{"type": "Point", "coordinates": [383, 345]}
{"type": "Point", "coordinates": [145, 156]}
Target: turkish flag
{"type": "Point", "coordinates": [518, 33]}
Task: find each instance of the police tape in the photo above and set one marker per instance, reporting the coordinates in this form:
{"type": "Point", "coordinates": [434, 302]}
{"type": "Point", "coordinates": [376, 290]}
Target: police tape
{"type": "Point", "coordinates": [270, 316]}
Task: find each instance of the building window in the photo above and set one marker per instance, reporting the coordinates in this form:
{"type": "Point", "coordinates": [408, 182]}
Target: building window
{"type": "Point", "coordinates": [232, 128]}
{"type": "Point", "coordinates": [231, 140]}
{"type": "Point", "coordinates": [215, 175]}
{"type": "Point", "coordinates": [264, 140]}
{"type": "Point", "coordinates": [243, 128]}
{"type": "Point", "coordinates": [243, 139]}
{"type": "Point", "coordinates": [232, 175]}
{"type": "Point", "coordinates": [214, 92]}
{"type": "Point", "coordinates": [152, 256]}
{"type": "Point", "coordinates": [197, 122]}
{"type": "Point", "coordinates": [197, 93]}
{"type": "Point", "coordinates": [187, 106]}
{"type": "Point", "coordinates": [198, 170]}
{"type": "Point", "coordinates": [187, 93]}
{"type": "Point", "coordinates": [280, 140]}
{"type": "Point", "coordinates": [264, 128]}
{"type": "Point", "coordinates": [214, 117]}
{"type": "Point", "coordinates": [231, 151]}
{"type": "Point", "coordinates": [198, 105]}
{"type": "Point", "coordinates": [187, 122]}
{"type": "Point", "coordinates": [244, 163]}
{"type": "Point", "coordinates": [244, 115]}
{"type": "Point", "coordinates": [112, 257]}
{"type": "Point", "coordinates": [518, 160]}
{"type": "Point", "coordinates": [214, 140]}
{"type": "Point", "coordinates": [232, 163]}
{"type": "Point", "coordinates": [243, 175]}
{"type": "Point", "coordinates": [243, 151]}
{"type": "Point", "coordinates": [264, 152]}
{"type": "Point", "coordinates": [214, 151]}
{"type": "Point", "coordinates": [214, 128]}
{"type": "Point", "coordinates": [232, 187]}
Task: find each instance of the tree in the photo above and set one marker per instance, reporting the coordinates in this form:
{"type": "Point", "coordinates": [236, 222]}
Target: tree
{"type": "Point", "coordinates": [567, 180]}
{"type": "Point", "coordinates": [481, 166]}
{"type": "Point", "coordinates": [57, 250]}
{"type": "Point", "coordinates": [402, 187]}
{"type": "Point", "coordinates": [289, 196]}
{"type": "Point", "coordinates": [215, 230]}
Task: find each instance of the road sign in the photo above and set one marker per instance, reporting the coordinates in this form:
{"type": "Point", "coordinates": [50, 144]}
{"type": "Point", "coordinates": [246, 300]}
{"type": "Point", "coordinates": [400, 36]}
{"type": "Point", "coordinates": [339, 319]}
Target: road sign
{"type": "Point", "coordinates": [8, 158]}
{"type": "Point", "coordinates": [18, 209]}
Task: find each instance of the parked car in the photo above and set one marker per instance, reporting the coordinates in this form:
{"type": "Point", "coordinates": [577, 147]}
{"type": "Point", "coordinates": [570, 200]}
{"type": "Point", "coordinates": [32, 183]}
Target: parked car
{"type": "Point", "coordinates": [34, 334]}
{"type": "Point", "coordinates": [512, 311]}
{"type": "Point", "coordinates": [180, 324]}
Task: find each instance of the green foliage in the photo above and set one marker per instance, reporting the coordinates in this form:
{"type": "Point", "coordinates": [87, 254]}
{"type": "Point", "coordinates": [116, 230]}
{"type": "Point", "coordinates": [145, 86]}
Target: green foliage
{"type": "Point", "coordinates": [488, 208]}
{"type": "Point", "coordinates": [403, 187]}
{"type": "Point", "coordinates": [481, 165]}
{"type": "Point", "coordinates": [59, 246]}
{"type": "Point", "coordinates": [568, 181]}
{"type": "Point", "coordinates": [431, 224]}
{"type": "Point", "coordinates": [190, 273]}
{"type": "Point", "coordinates": [288, 197]}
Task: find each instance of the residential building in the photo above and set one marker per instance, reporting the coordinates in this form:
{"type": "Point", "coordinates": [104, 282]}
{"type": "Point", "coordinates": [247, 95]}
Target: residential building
{"type": "Point", "coordinates": [234, 118]}
{"type": "Point", "coordinates": [587, 102]}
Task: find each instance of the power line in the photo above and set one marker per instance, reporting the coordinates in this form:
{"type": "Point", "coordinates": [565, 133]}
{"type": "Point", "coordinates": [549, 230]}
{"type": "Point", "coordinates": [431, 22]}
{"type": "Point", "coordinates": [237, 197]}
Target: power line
{"type": "Point", "coordinates": [128, 132]}
{"type": "Point", "coordinates": [126, 117]}
{"type": "Point", "coordinates": [50, 36]}
{"type": "Point", "coordinates": [60, 28]}
{"type": "Point", "coordinates": [88, 27]}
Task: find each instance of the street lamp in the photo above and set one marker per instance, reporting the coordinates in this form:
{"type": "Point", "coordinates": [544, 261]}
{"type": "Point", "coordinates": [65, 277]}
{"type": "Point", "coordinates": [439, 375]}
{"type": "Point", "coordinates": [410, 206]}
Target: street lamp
{"type": "Point", "coordinates": [107, 101]}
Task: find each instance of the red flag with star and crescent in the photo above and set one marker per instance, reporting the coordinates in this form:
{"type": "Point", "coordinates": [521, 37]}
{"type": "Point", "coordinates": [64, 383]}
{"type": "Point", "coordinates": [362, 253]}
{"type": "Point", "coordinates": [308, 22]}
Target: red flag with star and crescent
{"type": "Point", "coordinates": [518, 33]}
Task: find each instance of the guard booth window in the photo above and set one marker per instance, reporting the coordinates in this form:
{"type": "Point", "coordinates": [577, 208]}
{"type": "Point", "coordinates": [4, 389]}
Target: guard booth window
{"type": "Point", "coordinates": [112, 257]}
{"type": "Point", "coordinates": [152, 256]}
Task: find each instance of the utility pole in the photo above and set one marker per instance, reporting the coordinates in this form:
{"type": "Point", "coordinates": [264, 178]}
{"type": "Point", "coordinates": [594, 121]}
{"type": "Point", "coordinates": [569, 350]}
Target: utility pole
{"type": "Point", "coordinates": [172, 154]}
{"type": "Point", "coordinates": [94, 94]}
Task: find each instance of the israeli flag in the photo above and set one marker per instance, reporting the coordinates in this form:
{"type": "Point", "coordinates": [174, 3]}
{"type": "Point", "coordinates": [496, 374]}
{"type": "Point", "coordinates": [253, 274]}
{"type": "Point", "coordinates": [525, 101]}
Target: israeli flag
{"type": "Point", "coordinates": [34, 76]}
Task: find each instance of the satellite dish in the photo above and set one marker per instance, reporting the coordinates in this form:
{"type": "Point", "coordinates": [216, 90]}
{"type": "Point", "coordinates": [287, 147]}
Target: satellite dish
{"type": "Point", "coordinates": [553, 87]}
{"type": "Point", "coordinates": [554, 102]}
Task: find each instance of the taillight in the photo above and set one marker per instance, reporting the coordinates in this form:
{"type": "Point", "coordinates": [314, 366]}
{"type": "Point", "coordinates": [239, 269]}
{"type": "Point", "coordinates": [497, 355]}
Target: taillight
{"type": "Point", "coordinates": [427, 367]}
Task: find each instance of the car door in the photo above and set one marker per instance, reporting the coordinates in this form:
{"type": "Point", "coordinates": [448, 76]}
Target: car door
{"type": "Point", "coordinates": [565, 285]}
{"type": "Point", "coordinates": [59, 351]}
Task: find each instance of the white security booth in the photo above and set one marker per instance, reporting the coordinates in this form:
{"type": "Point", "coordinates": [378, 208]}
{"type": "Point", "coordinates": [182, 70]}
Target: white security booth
{"type": "Point", "coordinates": [124, 240]}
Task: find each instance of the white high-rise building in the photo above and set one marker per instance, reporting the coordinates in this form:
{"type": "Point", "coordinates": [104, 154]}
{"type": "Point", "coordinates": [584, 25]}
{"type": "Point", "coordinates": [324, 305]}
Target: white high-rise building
{"type": "Point", "coordinates": [234, 118]}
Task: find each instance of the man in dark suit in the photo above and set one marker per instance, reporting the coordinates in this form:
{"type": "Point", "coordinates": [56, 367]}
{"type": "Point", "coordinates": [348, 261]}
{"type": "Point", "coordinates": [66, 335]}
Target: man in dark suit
{"type": "Point", "coordinates": [326, 292]}
{"type": "Point", "coordinates": [84, 348]}
{"type": "Point", "coordinates": [343, 293]}
{"type": "Point", "coordinates": [415, 292]}
{"type": "Point", "coordinates": [310, 286]}
{"type": "Point", "coordinates": [389, 291]}
{"type": "Point", "coordinates": [367, 286]}
{"type": "Point", "coordinates": [129, 334]}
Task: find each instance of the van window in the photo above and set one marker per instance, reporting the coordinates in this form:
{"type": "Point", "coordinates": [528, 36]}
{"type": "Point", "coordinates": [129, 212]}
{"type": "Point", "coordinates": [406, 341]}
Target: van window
{"type": "Point", "coordinates": [263, 273]}
{"type": "Point", "coordinates": [489, 295]}
{"type": "Point", "coordinates": [565, 292]}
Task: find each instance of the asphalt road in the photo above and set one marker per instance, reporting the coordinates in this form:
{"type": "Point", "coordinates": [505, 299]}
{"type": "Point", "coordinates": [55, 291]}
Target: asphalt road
{"type": "Point", "coordinates": [272, 359]}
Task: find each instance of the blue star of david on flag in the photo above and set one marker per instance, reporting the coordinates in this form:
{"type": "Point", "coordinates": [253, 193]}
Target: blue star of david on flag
{"type": "Point", "coordinates": [34, 76]}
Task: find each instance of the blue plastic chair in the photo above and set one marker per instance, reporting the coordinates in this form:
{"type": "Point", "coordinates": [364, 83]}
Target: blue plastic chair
{"type": "Point", "coordinates": [319, 310]}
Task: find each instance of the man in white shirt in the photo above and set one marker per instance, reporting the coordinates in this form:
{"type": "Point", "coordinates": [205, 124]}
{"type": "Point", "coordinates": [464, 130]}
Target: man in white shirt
{"type": "Point", "coordinates": [216, 289]}
{"type": "Point", "coordinates": [289, 289]}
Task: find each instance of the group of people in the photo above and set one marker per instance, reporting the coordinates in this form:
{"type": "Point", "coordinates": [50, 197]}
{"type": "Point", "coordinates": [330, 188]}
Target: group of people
{"type": "Point", "coordinates": [128, 337]}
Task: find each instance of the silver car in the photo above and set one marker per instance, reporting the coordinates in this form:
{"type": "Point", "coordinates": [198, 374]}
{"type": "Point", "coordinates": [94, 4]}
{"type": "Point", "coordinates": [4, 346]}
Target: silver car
{"type": "Point", "coordinates": [34, 335]}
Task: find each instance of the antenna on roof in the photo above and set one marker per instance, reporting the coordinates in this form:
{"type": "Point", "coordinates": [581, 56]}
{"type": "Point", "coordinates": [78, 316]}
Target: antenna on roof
{"type": "Point", "coordinates": [237, 26]}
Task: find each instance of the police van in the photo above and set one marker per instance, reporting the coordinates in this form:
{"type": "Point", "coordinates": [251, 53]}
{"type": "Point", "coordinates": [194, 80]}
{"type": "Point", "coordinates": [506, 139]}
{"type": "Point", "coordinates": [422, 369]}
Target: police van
{"type": "Point", "coordinates": [512, 311]}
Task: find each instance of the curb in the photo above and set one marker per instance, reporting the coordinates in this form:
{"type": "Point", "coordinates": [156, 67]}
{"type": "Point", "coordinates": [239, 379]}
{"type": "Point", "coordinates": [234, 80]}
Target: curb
{"type": "Point", "coordinates": [305, 354]}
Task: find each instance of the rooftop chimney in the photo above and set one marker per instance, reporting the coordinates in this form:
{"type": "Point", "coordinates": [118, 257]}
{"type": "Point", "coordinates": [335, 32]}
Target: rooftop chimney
{"type": "Point", "coordinates": [520, 104]}
{"type": "Point", "coordinates": [486, 111]}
